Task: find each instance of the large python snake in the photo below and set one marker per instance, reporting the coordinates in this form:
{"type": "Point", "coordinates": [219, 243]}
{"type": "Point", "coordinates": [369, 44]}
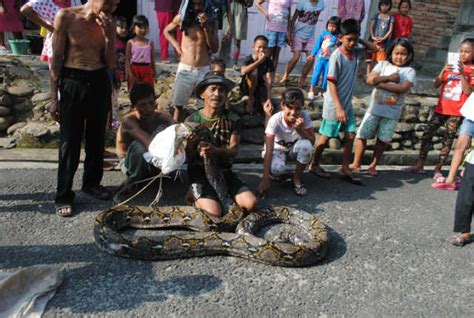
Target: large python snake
{"type": "Point", "coordinates": [233, 234]}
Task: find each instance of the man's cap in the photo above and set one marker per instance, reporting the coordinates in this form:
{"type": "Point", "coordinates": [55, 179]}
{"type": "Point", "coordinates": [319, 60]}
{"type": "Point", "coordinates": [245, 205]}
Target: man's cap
{"type": "Point", "coordinates": [212, 78]}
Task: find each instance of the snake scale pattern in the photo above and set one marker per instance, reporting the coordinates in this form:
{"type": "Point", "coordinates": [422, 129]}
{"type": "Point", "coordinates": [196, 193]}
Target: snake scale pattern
{"type": "Point", "coordinates": [233, 234]}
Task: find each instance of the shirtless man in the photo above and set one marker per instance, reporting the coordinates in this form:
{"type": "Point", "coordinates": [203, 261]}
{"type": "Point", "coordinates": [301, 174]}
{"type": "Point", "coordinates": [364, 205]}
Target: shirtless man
{"type": "Point", "coordinates": [83, 49]}
{"type": "Point", "coordinates": [136, 133]}
{"type": "Point", "coordinates": [199, 37]}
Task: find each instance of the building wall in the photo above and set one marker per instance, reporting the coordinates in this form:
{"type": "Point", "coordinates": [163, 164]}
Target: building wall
{"type": "Point", "coordinates": [434, 23]}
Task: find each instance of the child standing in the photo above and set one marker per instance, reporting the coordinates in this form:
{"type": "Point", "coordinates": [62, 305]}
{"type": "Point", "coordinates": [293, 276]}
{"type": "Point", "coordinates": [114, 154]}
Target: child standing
{"type": "Point", "coordinates": [337, 108]}
{"type": "Point", "coordinates": [381, 28]}
{"type": "Point", "coordinates": [289, 133]}
{"type": "Point", "coordinates": [466, 75]}
{"type": "Point", "coordinates": [392, 79]}
{"type": "Point", "coordinates": [325, 45]}
{"type": "Point", "coordinates": [277, 17]}
{"type": "Point", "coordinates": [455, 89]}
{"type": "Point", "coordinates": [403, 24]}
{"type": "Point", "coordinates": [139, 54]}
{"type": "Point", "coordinates": [301, 36]}
{"type": "Point", "coordinates": [257, 75]}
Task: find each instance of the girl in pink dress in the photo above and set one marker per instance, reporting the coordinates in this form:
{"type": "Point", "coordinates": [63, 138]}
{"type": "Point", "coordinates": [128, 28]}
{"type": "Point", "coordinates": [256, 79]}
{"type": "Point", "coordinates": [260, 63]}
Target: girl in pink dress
{"type": "Point", "coordinates": [10, 21]}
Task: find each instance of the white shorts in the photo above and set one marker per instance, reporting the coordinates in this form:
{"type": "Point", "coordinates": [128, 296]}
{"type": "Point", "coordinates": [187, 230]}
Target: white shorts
{"type": "Point", "coordinates": [302, 151]}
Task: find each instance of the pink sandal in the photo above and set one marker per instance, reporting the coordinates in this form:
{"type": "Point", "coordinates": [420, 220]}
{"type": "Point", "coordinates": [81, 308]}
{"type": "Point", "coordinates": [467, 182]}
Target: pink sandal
{"type": "Point", "coordinates": [445, 186]}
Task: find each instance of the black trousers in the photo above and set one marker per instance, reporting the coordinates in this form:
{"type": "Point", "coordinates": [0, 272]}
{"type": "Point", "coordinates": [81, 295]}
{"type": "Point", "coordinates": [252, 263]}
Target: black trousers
{"type": "Point", "coordinates": [85, 101]}
{"type": "Point", "coordinates": [465, 201]}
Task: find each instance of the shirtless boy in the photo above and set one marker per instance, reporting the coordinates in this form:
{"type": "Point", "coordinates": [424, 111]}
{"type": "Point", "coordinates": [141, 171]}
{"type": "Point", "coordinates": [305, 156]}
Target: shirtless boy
{"type": "Point", "coordinates": [199, 38]}
{"type": "Point", "coordinates": [136, 133]}
{"type": "Point", "coordinates": [83, 49]}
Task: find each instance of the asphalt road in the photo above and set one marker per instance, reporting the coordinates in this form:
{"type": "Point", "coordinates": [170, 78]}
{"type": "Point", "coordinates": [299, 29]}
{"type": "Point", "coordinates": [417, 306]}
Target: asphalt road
{"type": "Point", "coordinates": [388, 255]}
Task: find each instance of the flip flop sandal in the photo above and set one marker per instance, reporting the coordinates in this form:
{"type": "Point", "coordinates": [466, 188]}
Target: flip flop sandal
{"type": "Point", "coordinates": [413, 170]}
{"type": "Point", "coordinates": [444, 186]}
{"type": "Point", "coordinates": [300, 190]}
{"type": "Point", "coordinates": [458, 241]}
{"type": "Point", "coordinates": [351, 179]}
{"type": "Point", "coordinates": [438, 176]}
{"type": "Point", "coordinates": [63, 206]}
{"type": "Point", "coordinates": [320, 172]}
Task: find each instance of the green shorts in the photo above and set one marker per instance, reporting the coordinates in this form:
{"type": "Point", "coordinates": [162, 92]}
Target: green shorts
{"type": "Point", "coordinates": [332, 128]}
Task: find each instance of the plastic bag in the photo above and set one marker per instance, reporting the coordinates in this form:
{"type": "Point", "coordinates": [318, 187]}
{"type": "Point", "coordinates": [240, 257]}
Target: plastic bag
{"type": "Point", "coordinates": [167, 150]}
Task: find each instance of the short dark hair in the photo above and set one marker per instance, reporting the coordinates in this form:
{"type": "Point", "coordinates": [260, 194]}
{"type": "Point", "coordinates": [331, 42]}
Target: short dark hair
{"type": "Point", "coordinates": [350, 26]}
{"type": "Point", "coordinates": [121, 22]}
{"type": "Point", "coordinates": [404, 1]}
{"type": "Point", "coordinates": [291, 95]}
{"type": "Point", "coordinates": [260, 38]}
{"type": "Point", "coordinates": [334, 20]}
{"type": "Point", "coordinates": [387, 2]}
{"type": "Point", "coordinates": [219, 62]}
{"type": "Point", "coordinates": [468, 41]}
{"type": "Point", "coordinates": [140, 21]}
{"type": "Point", "coordinates": [406, 43]}
{"type": "Point", "coordinates": [139, 91]}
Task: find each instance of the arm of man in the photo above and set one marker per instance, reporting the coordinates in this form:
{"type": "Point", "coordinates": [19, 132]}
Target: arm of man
{"type": "Point", "coordinates": [107, 23]}
{"type": "Point", "coordinates": [307, 133]}
{"type": "Point", "coordinates": [31, 15]}
{"type": "Point", "coordinates": [170, 33]}
{"type": "Point", "coordinates": [245, 69]}
{"type": "Point", "coordinates": [267, 163]}
{"type": "Point", "coordinates": [61, 22]}
{"type": "Point", "coordinates": [439, 78]}
{"type": "Point", "coordinates": [212, 39]}
{"type": "Point", "coordinates": [131, 127]}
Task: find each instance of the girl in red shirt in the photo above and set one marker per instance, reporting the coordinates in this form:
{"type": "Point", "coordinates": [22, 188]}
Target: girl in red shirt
{"type": "Point", "coordinates": [403, 22]}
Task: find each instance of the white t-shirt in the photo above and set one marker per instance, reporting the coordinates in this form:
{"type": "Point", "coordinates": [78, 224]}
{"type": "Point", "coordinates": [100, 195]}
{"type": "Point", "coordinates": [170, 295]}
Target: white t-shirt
{"type": "Point", "coordinates": [285, 136]}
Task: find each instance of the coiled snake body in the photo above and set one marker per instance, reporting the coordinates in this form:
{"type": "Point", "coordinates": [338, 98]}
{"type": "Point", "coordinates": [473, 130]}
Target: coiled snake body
{"type": "Point", "coordinates": [232, 234]}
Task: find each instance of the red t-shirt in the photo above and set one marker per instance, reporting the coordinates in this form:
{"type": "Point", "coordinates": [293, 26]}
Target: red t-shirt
{"type": "Point", "coordinates": [452, 97]}
{"type": "Point", "coordinates": [402, 26]}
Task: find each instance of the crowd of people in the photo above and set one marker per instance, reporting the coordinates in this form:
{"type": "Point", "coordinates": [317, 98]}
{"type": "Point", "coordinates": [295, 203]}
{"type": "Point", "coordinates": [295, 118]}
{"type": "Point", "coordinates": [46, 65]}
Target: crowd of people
{"type": "Point", "coordinates": [91, 54]}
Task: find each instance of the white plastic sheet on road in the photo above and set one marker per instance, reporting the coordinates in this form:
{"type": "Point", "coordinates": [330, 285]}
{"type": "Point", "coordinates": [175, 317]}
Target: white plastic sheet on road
{"type": "Point", "coordinates": [26, 292]}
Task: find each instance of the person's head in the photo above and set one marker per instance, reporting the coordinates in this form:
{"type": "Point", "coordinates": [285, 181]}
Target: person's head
{"type": "Point", "coordinates": [401, 53]}
{"type": "Point", "coordinates": [140, 25]}
{"type": "Point", "coordinates": [142, 97]}
{"type": "Point", "coordinates": [213, 89]}
{"type": "Point", "coordinates": [121, 27]}
{"type": "Point", "coordinates": [292, 102]}
{"type": "Point", "coordinates": [349, 36]}
{"type": "Point", "coordinates": [218, 66]}
{"type": "Point", "coordinates": [404, 7]}
{"type": "Point", "coordinates": [260, 44]}
{"type": "Point", "coordinates": [333, 25]}
{"type": "Point", "coordinates": [106, 6]}
{"type": "Point", "coordinates": [197, 6]}
{"type": "Point", "coordinates": [466, 51]}
{"type": "Point", "coordinates": [385, 6]}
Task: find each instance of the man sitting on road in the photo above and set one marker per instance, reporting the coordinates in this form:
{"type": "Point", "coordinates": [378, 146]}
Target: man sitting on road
{"type": "Point", "coordinates": [136, 133]}
{"type": "Point", "coordinates": [225, 128]}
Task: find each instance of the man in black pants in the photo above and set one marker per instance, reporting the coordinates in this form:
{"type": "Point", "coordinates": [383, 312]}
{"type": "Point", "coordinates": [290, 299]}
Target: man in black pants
{"type": "Point", "coordinates": [83, 49]}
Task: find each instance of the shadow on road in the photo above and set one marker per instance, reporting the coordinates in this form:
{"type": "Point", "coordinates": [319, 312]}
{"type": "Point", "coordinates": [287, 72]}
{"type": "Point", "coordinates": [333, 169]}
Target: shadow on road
{"type": "Point", "coordinates": [105, 283]}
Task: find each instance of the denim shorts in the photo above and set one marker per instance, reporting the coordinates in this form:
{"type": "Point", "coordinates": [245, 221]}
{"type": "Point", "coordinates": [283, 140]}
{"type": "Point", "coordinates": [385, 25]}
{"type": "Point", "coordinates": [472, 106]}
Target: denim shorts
{"type": "Point", "coordinates": [331, 128]}
{"type": "Point", "coordinates": [276, 38]}
{"type": "Point", "coordinates": [376, 126]}
{"type": "Point", "coordinates": [467, 127]}
{"type": "Point", "coordinates": [187, 77]}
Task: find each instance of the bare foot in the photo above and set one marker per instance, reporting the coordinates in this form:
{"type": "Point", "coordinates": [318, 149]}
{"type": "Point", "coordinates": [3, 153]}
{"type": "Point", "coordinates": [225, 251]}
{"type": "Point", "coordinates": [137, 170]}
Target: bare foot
{"type": "Point", "coordinates": [284, 80]}
{"type": "Point", "coordinates": [354, 168]}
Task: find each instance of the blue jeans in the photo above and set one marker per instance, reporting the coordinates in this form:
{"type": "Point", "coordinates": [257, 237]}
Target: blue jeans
{"type": "Point", "coordinates": [321, 68]}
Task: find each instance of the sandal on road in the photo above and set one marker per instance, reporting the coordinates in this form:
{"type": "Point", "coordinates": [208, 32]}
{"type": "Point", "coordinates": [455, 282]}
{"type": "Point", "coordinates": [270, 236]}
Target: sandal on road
{"type": "Point", "coordinates": [445, 186]}
{"type": "Point", "coordinates": [64, 209]}
{"type": "Point", "coordinates": [300, 189]}
{"type": "Point", "coordinates": [98, 192]}
{"type": "Point", "coordinates": [458, 240]}
{"type": "Point", "coordinates": [320, 172]}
